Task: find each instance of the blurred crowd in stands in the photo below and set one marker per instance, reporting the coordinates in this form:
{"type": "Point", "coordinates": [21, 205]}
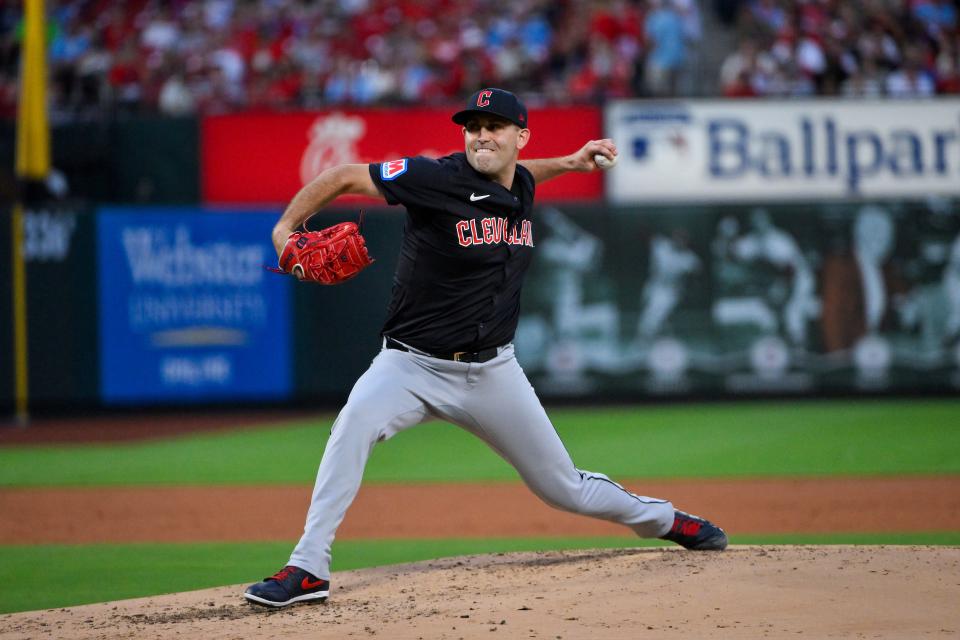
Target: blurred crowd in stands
{"type": "Point", "coordinates": [852, 48]}
{"type": "Point", "coordinates": [221, 55]}
{"type": "Point", "coordinates": [212, 56]}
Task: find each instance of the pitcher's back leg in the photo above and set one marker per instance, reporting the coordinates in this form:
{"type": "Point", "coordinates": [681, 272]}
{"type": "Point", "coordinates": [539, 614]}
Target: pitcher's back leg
{"type": "Point", "coordinates": [505, 412]}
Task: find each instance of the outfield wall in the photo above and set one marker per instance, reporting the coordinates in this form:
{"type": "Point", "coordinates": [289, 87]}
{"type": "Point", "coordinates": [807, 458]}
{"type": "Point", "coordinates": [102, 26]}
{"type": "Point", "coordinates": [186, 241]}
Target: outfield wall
{"type": "Point", "coordinates": [172, 305]}
{"type": "Point", "coordinates": [737, 248]}
{"type": "Point", "coordinates": [726, 299]}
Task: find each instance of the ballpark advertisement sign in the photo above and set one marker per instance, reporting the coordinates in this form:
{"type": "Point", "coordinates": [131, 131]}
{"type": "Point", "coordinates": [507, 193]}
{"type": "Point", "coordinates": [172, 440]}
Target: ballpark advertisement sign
{"type": "Point", "coordinates": [187, 310]}
{"type": "Point", "coordinates": [267, 158]}
{"type": "Point", "coordinates": [804, 150]}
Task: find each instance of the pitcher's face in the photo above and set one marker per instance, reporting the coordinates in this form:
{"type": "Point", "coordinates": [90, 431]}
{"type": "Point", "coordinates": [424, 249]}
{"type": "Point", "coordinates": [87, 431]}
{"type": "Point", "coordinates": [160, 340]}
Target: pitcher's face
{"type": "Point", "coordinates": [493, 144]}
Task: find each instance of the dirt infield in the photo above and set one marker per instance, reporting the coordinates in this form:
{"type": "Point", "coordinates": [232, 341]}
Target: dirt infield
{"type": "Point", "coordinates": [768, 592]}
{"type": "Point", "coordinates": [191, 514]}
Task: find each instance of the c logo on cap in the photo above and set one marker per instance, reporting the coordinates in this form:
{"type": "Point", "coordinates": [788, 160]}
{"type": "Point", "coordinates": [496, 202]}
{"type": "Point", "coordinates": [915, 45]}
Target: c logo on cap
{"type": "Point", "coordinates": [483, 98]}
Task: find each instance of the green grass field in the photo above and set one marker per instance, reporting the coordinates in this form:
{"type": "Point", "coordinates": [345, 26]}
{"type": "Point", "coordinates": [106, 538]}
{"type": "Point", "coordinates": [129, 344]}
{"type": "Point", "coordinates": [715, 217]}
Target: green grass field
{"type": "Point", "coordinates": [699, 440]}
{"type": "Point", "coordinates": [890, 437]}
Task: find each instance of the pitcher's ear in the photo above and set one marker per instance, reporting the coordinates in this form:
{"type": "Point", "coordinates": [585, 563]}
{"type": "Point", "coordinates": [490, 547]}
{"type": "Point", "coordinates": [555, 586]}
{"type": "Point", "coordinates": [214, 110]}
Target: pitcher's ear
{"type": "Point", "coordinates": [523, 138]}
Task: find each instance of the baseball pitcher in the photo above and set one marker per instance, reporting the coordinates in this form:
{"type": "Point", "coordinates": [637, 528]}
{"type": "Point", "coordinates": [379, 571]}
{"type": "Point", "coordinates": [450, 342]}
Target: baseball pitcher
{"type": "Point", "coordinates": [447, 349]}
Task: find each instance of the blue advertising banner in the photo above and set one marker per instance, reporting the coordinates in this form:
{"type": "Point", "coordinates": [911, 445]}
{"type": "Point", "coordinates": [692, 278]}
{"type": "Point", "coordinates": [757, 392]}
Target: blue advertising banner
{"type": "Point", "coordinates": [187, 310]}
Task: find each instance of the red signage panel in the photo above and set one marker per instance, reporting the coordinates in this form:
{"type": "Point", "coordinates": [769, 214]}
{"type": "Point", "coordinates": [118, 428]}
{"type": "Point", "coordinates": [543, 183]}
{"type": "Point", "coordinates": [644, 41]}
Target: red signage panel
{"type": "Point", "coordinates": [265, 158]}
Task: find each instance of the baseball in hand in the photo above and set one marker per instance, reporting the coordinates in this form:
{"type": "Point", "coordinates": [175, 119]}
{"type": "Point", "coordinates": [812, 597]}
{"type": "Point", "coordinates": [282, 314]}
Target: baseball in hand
{"type": "Point", "coordinates": [604, 162]}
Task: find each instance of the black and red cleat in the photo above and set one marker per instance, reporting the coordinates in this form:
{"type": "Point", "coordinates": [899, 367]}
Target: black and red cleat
{"type": "Point", "coordinates": [695, 533]}
{"type": "Point", "coordinates": [287, 586]}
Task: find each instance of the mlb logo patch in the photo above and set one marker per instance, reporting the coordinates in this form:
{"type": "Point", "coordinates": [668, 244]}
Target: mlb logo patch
{"type": "Point", "coordinates": [392, 169]}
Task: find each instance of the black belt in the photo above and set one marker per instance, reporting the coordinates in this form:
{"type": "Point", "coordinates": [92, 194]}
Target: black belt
{"type": "Point", "coordinates": [459, 356]}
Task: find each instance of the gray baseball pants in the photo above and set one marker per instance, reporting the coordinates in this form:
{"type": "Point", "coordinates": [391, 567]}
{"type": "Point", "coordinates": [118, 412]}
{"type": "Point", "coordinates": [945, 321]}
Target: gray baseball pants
{"type": "Point", "coordinates": [492, 400]}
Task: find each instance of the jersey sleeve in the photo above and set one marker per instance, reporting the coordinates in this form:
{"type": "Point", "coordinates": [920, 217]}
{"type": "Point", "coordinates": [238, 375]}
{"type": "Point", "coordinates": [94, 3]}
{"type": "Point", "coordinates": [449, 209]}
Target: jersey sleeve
{"type": "Point", "coordinates": [407, 181]}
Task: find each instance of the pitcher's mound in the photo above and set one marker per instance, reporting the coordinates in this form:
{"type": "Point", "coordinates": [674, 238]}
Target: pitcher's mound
{"type": "Point", "coordinates": [745, 592]}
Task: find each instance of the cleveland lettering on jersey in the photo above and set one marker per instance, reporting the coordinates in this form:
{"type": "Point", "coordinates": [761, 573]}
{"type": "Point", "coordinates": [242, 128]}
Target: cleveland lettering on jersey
{"type": "Point", "coordinates": [493, 231]}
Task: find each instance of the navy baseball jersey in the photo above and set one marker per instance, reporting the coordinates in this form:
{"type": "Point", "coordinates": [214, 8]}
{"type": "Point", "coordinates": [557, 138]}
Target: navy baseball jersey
{"type": "Point", "coordinates": [467, 245]}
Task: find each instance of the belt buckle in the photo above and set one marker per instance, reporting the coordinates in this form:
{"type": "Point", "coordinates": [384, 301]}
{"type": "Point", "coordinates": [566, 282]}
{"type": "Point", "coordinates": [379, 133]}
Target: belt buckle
{"type": "Point", "coordinates": [456, 356]}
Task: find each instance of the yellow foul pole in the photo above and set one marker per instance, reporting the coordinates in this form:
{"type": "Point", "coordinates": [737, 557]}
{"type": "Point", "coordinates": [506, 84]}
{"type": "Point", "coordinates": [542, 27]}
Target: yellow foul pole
{"type": "Point", "coordinates": [32, 165]}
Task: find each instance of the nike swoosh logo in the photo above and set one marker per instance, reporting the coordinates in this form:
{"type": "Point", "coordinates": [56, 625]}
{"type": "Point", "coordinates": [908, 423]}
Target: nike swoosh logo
{"type": "Point", "coordinates": [306, 584]}
{"type": "Point", "coordinates": [474, 197]}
